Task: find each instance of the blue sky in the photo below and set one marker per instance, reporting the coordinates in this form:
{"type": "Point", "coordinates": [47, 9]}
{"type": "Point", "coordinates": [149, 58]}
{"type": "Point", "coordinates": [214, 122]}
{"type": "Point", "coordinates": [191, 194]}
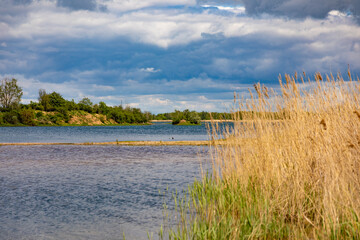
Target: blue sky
{"type": "Point", "coordinates": [164, 55]}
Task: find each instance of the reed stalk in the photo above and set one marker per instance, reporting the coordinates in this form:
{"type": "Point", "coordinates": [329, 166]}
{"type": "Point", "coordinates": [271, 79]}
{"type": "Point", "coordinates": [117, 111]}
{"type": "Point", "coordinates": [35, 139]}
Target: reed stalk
{"type": "Point", "coordinates": [293, 178]}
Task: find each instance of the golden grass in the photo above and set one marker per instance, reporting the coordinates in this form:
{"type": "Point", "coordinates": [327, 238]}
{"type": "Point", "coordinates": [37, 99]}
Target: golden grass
{"type": "Point", "coordinates": [298, 178]}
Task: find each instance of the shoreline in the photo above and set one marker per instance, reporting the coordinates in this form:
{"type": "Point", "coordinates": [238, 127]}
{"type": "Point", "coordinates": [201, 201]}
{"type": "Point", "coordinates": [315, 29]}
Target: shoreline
{"type": "Point", "coordinates": [123, 143]}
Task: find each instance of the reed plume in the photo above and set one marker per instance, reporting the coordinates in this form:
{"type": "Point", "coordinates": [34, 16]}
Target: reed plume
{"type": "Point", "coordinates": [289, 169]}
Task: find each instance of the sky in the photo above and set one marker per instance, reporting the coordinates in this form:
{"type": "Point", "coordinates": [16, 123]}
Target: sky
{"type": "Point", "coordinates": [162, 55]}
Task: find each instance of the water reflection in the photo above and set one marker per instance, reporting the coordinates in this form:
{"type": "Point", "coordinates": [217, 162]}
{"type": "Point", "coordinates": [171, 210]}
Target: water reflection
{"type": "Point", "coordinates": [89, 192]}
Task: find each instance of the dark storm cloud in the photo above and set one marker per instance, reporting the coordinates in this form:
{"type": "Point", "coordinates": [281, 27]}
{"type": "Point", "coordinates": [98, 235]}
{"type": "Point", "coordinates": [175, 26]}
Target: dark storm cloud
{"type": "Point", "coordinates": [301, 8]}
{"type": "Point", "coordinates": [175, 52]}
{"type": "Point", "coordinates": [293, 8]}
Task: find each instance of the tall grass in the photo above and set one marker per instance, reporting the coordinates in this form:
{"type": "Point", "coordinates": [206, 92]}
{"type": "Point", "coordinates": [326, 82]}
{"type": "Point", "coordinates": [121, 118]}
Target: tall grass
{"type": "Point", "coordinates": [298, 177]}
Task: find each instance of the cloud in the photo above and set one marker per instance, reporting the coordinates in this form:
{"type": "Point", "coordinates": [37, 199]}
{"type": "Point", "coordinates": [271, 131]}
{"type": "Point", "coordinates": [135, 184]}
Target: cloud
{"type": "Point", "coordinates": [126, 6]}
{"type": "Point", "coordinates": [150, 70]}
{"type": "Point", "coordinates": [168, 103]}
{"type": "Point", "coordinates": [301, 8]}
{"type": "Point", "coordinates": [159, 55]}
{"type": "Point", "coordinates": [78, 4]}
{"type": "Point", "coordinates": [75, 5]}
{"type": "Point", "coordinates": [232, 9]}
{"type": "Point", "coordinates": [136, 94]}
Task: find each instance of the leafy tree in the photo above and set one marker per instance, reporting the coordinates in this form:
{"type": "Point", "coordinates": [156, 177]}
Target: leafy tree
{"type": "Point", "coordinates": [44, 99]}
{"type": "Point", "coordinates": [35, 106]}
{"type": "Point", "coordinates": [10, 93]}
{"type": "Point", "coordinates": [177, 116]}
{"type": "Point", "coordinates": [103, 109]}
{"type": "Point", "coordinates": [161, 116]}
{"type": "Point", "coordinates": [86, 104]}
{"type": "Point", "coordinates": [71, 105]}
{"type": "Point", "coordinates": [148, 116]}
{"type": "Point", "coordinates": [204, 115]}
{"type": "Point", "coordinates": [117, 115]}
{"type": "Point", "coordinates": [193, 117]}
{"type": "Point", "coordinates": [56, 100]}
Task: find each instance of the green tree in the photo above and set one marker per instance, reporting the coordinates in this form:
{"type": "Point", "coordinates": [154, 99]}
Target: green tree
{"type": "Point", "coordinates": [44, 99]}
{"type": "Point", "coordinates": [56, 100]}
{"type": "Point", "coordinates": [71, 105]}
{"type": "Point", "coordinates": [10, 93]}
{"type": "Point", "coordinates": [204, 115]}
{"type": "Point", "coordinates": [85, 104]}
{"type": "Point", "coordinates": [103, 108]}
{"type": "Point", "coordinates": [177, 116]}
{"type": "Point", "coordinates": [117, 115]}
{"type": "Point", "coordinates": [193, 117]}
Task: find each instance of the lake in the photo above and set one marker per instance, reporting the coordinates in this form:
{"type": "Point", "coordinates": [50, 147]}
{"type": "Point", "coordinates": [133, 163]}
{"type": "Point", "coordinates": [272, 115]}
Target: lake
{"type": "Point", "coordinates": [155, 132]}
{"type": "Point", "coordinates": [93, 192]}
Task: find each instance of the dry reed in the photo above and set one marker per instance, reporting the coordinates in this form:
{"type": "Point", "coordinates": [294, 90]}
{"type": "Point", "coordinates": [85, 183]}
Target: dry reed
{"type": "Point", "coordinates": [294, 178]}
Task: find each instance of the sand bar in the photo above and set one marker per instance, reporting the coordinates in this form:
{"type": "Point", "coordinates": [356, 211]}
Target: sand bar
{"type": "Point", "coordinates": [126, 143]}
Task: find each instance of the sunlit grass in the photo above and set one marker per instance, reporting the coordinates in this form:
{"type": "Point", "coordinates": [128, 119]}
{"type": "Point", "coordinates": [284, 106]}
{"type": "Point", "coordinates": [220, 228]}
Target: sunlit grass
{"type": "Point", "coordinates": [298, 178]}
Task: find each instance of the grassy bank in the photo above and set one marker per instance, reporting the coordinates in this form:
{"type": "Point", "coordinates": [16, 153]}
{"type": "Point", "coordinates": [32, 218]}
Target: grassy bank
{"type": "Point", "coordinates": [293, 179]}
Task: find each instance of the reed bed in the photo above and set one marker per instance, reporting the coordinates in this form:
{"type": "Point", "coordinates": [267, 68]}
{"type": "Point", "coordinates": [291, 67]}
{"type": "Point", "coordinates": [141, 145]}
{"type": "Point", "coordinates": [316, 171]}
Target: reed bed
{"type": "Point", "coordinates": [294, 178]}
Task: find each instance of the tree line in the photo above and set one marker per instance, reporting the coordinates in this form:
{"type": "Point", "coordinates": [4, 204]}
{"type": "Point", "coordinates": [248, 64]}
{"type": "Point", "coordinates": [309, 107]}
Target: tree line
{"type": "Point", "coordinates": [15, 113]}
{"type": "Point", "coordinates": [53, 109]}
{"type": "Point", "coordinates": [191, 117]}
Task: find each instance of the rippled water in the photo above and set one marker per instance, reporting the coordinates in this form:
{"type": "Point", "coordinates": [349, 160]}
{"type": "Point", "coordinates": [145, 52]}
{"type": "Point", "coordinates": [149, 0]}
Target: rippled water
{"type": "Point", "coordinates": [89, 192]}
{"type": "Point", "coordinates": [156, 132]}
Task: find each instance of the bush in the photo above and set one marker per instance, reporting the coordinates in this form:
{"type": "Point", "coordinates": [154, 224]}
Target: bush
{"type": "Point", "coordinates": [11, 117]}
{"type": "Point", "coordinates": [63, 114]}
{"type": "Point", "coordinates": [57, 118]}
{"type": "Point", "coordinates": [27, 117]}
{"type": "Point", "coordinates": [39, 115]}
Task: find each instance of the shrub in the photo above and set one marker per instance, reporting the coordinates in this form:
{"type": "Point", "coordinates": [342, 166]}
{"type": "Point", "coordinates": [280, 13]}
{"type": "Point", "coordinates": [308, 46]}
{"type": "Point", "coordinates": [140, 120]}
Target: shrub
{"type": "Point", "coordinates": [39, 115]}
{"type": "Point", "coordinates": [27, 116]}
{"type": "Point", "coordinates": [11, 117]}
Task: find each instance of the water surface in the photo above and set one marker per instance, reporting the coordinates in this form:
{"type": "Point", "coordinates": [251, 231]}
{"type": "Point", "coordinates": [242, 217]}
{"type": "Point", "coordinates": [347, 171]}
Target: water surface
{"type": "Point", "coordinates": [89, 192]}
{"type": "Point", "coordinates": [155, 132]}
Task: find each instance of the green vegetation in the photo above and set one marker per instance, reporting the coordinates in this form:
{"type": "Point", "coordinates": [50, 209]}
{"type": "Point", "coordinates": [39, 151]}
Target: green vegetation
{"type": "Point", "coordinates": [188, 117]}
{"type": "Point", "coordinates": [53, 109]}
{"type": "Point", "coordinates": [294, 179]}
{"type": "Point", "coordinates": [10, 93]}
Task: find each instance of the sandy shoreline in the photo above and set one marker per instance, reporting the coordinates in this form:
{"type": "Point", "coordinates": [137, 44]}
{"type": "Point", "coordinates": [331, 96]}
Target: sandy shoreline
{"type": "Point", "coordinates": [125, 143]}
